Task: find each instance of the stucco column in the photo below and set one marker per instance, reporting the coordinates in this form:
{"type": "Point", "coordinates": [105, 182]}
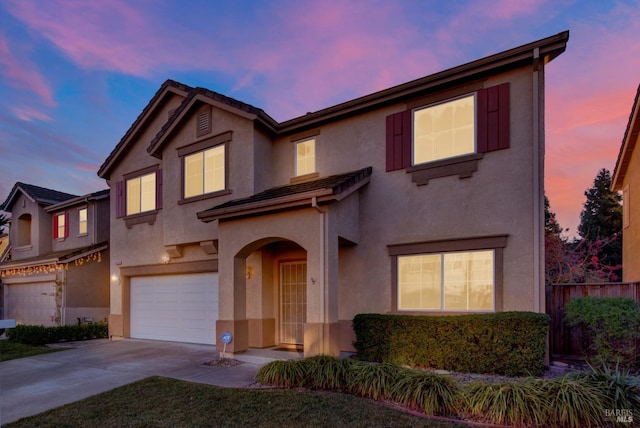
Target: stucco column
{"type": "Point", "coordinates": [321, 332]}
{"type": "Point", "coordinates": [232, 303]}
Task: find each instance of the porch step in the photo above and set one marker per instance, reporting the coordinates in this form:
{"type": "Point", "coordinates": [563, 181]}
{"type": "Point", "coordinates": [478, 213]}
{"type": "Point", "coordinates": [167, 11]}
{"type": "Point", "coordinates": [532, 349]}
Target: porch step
{"type": "Point", "coordinates": [264, 356]}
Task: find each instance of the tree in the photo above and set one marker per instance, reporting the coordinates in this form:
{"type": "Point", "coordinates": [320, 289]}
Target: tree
{"type": "Point", "coordinates": [3, 222]}
{"type": "Point", "coordinates": [601, 223]}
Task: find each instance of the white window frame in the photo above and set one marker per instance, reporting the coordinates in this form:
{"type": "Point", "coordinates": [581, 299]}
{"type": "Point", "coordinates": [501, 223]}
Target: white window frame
{"type": "Point", "coordinates": [305, 164]}
{"type": "Point", "coordinates": [447, 265]}
{"type": "Point", "coordinates": [206, 173]}
{"type": "Point", "coordinates": [82, 222]}
{"type": "Point", "coordinates": [141, 190]}
{"type": "Point", "coordinates": [419, 154]}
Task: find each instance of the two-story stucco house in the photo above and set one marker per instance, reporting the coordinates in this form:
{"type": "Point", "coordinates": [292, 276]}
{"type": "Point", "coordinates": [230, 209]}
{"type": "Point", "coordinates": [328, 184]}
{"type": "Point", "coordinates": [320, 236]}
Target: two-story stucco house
{"type": "Point", "coordinates": [424, 198]}
{"type": "Point", "coordinates": [626, 179]}
{"type": "Point", "coordinates": [58, 271]}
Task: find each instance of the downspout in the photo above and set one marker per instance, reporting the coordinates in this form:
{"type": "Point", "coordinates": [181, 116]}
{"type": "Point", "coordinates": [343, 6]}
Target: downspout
{"type": "Point", "coordinates": [537, 218]}
{"type": "Point", "coordinates": [323, 269]}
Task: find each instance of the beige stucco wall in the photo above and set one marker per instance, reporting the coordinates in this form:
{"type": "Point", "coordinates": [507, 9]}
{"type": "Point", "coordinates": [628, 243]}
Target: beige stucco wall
{"type": "Point", "coordinates": [41, 228]}
{"type": "Point", "coordinates": [631, 234]}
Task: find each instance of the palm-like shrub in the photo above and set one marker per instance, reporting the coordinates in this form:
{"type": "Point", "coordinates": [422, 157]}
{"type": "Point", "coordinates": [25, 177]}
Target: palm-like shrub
{"type": "Point", "coordinates": [282, 373]}
{"type": "Point", "coordinates": [375, 381]}
{"type": "Point", "coordinates": [573, 403]}
{"type": "Point", "coordinates": [429, 392]}
{"type": "Point", "coordinates": [517, 402]}
{"type": "Point", "coordinates": [325, 372]}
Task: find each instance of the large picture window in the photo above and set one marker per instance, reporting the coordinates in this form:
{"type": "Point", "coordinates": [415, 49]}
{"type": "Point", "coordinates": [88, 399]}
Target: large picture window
{"type": "Point", "coordinates": [458, 281]}
{"type": "Point", "coordinates": [141, 194]}
{"type": "Point", "coordinates": [204, 172]}
{"type": "Point", "coordinates": [444, 130]}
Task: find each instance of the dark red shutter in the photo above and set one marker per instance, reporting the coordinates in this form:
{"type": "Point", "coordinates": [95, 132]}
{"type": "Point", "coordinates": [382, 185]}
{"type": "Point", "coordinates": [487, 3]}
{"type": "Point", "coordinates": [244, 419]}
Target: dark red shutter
{"type": "Point", "coordinates": [159, 189]}
{"type": "Point", "coordinates": [121, 201]}
{"type": "Point", "coordinates": [55, 227]}
{"type": "Point", "coordinates": [492, 126]}
{"type": "Point", "coordinates": [398, 144]}
{"type": "Point", "coordinates": [66, 224]}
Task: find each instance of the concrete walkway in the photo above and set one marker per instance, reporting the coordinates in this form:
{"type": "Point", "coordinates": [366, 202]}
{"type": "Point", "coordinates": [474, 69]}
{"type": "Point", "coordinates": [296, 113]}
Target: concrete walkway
{"type": "Point", "coordinates": [32, 385]}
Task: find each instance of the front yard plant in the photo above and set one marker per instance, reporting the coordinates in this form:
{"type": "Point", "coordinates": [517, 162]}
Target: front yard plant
{"type": "Point", "coordinates": [573, 400]}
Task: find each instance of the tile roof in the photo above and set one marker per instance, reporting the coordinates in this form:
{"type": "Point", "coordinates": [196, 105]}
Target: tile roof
{"type": "Point", "coordinates": [40, 195]}
{"type": "Point", "coordinates": [328, 186]}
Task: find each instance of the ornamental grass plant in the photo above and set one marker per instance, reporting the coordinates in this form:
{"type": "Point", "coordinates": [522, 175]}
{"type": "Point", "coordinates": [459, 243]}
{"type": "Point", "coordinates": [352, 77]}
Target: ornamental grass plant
{"type": "Point", "coordinates": [429, 392]}
{"type": "Point", "coordinates": [282, 373]}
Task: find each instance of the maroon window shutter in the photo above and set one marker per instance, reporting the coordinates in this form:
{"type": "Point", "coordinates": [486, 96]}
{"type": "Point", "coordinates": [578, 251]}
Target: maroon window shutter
{"type": "Point", "coordinates": [398, 134]}
{"type": "Point", "coordinates": [66, 224]}
{"type": "Point", "coordinates": [159, 189]}
{"type": "Point", "coordinates": [121, 201]}
{"type": "Point", "coordinates": [492, 126]}
{"type": "Point", "coordinates": [55, 227]}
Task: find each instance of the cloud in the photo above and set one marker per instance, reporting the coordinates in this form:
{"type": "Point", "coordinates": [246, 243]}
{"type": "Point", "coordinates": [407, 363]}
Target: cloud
{"type": "Point", "coordinates": [22, 74]}
{"type": "Point", "coordinates": [28, 114]}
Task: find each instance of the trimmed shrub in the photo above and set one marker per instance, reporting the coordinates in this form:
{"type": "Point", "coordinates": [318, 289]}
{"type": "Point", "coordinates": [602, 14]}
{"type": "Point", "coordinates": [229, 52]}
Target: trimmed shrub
{"type": "Point", "coordinates": [505, 343]}
{"type": "Point", "coordinates": [38, 335]}
{"type": "Point", "coordinates": [608, 326]}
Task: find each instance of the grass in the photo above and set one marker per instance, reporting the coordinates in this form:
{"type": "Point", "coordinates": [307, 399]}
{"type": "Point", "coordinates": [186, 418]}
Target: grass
{"type": "Point", "coordinates": [162, 402]}
{"type": "Point", "coordinates": [11, 350]}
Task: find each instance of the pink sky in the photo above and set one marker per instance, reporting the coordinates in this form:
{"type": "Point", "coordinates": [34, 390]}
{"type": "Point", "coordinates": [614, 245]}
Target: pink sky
{"type": "Point", "coordinates": [74, 75]}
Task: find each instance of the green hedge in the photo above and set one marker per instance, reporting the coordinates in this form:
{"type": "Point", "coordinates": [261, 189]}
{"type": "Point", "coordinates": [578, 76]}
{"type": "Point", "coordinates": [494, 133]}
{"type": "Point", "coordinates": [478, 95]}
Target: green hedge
{"type": "Point", "coordinates": [505, 343]}
{"type": "Point", "coordinates": [38, 335]}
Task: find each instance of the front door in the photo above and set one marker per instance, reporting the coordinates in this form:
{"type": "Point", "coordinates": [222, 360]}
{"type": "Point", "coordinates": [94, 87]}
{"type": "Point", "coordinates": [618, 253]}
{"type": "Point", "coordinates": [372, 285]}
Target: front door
{"type": "Point", "coordinates": [293, 302]}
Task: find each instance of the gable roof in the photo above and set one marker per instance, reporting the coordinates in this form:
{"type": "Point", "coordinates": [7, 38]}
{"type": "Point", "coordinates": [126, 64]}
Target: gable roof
{"type": "Point", "coordinates": [541, 51]}
{"type": "Point", "coordinates": [37, 194]}
{"type": "Point", "coordinates": [335, 187]}
{"type": "Point", "coordinates": [95, 196]}
{"type": "Point", "coordinates": [203, 95]}
{"type": "Point", "coordinates": [629, 141]}
{"type": "Point", "coordinates": [168, 88]}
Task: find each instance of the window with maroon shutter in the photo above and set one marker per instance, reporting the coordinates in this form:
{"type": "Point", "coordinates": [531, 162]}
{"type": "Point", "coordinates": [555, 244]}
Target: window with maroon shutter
{"type": "Point", "coordinates": [399, 140]}
{"type": "Point", "coordinates": [158, 189]}
{"type": "Point", "coordinates": [61, 225]}
{"type": "Point", "coordinates": [121, 201]}
{"type": "Point", "coordinates": [492, 123]}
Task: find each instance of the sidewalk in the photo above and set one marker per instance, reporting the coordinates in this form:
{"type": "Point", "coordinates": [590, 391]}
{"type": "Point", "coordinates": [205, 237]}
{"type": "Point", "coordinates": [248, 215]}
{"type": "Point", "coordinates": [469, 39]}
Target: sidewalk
{"type": "Point", "coordinates": [32, 385]}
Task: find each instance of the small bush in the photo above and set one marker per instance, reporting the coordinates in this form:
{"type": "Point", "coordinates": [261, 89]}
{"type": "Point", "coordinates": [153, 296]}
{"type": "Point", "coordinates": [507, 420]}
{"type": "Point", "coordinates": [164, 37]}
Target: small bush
{"type": "Point", "coordinates": [609, 327]}
{"type": "Point", "coordinates": [38, 335]}
{"type": "Point", "coordinates": [511, 402]}
{"type": "Point", "coordinates": [325, 372]}
{"type": "Point", "coordinates": [282, 373]}
{"type": "Point", "coordinates": [429, 392]}
{"type": "Point", "coordinates": [573, 403]}
{"type": "Point", "coordinates": [375, 381]}
{"type": "Point", "coordinates": [505, 343]}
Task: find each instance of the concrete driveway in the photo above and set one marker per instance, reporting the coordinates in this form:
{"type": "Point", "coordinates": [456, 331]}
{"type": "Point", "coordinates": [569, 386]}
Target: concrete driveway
{"type": "Point", "coordinates": [29, 386]}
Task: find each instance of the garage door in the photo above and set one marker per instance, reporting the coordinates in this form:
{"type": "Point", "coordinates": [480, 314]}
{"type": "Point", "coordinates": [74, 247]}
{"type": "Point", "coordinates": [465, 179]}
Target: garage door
{"type": "Point", "coordinates": [32, 303]}
{"type": "Point", "coordinates": [181, 308]}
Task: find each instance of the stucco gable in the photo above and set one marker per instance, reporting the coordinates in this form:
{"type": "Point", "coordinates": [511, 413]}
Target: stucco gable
{"type": "Point", "coordinates": [199, 96]}
{"type": "Point", "coordinates": [631, 135]}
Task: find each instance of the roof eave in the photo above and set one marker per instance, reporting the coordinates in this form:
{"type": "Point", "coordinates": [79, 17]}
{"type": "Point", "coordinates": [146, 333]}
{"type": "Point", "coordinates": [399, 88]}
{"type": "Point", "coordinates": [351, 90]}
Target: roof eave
{"type": "Point", "coordinates": [548, 48]}
{"type": "Point", "coordinates": [629, 141]}
{"type": "Point", "coordinates": [169, 86]}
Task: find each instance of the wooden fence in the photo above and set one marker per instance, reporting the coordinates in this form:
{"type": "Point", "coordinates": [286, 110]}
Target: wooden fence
{"type": "Point", "coordinates": [564, 343]}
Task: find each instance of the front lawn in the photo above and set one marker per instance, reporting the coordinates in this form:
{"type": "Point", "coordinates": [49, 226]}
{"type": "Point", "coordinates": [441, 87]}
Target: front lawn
{"type": "Point", "coordinates": [11, 350]}
{"type": "Point", "coordinates": [163, 402]}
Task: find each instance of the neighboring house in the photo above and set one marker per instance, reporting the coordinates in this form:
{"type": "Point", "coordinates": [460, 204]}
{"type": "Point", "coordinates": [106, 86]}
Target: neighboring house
{"type": "Point", "coordinates": [424, 198]}
{"type": "Point", "coordinates": [58, 271]}
{"type": "Point", "coordinates": [626, 179]}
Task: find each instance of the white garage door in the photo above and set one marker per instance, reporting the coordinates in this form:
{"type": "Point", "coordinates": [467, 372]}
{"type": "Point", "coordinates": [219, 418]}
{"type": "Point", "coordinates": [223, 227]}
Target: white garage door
{"type": "Point", "coordinates": [32, 303]}
{"type": "Point", "coordinates": [180, 308]}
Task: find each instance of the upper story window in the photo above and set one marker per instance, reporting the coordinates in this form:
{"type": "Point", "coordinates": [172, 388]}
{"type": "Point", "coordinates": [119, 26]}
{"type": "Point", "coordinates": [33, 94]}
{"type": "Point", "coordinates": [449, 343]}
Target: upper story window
{"type": "Point", "coordinates": [60, 225]}
{"type": "Point", "coordinates": [442, 135]}
{"type": "Point", "coordinates": [444, 130]}
{"type": "Point", "coordinates": [141, 194]}
{"type": "Point", "coordinates": [305, 157]}
{"type": "Point", "coordinates": [82, 221]}
{"type": "Point", "coordinates": [204, 172]}
{"type": "Point", "coordinates": [23, 231]}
